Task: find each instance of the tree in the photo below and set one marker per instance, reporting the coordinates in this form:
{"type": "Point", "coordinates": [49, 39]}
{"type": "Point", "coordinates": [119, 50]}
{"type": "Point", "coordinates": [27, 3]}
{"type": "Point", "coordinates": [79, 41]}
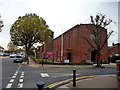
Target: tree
{"type": "Point", "coordinates": [11, 47]}
{"type": "Point", "coordinates": [98, 24]}
{"type": "Point", "coordinates": [1, 24]}
{"type": "Point", "coordinates": [32, 51]}
{"type": "Point", "coordinates": [28, 30]}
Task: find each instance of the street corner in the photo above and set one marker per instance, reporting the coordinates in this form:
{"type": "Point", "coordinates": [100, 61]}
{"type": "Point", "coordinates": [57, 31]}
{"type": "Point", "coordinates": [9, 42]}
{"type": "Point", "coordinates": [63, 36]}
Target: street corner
{"type": "Point", "coordinates": [29, 65]}
{"type": "Point", "coordinates": [82, 82]}
{"type": "Point", "coordinates": [101, 81]}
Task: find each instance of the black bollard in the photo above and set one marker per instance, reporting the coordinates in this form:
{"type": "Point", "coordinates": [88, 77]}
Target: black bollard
{"type": "Point", "coordinates": [27, 61]}
{"type": "Point", "coordinates": [40, 85]}
{"type": "Point", "coordinates": [42, 62]}
{"type": "Point", "coordinates": [74, 77]}
{"type": "Point", "coordinates": [53, 61]}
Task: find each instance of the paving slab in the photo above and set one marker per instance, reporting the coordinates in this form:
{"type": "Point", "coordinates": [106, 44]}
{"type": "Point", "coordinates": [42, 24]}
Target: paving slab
{"type": "Point", "coordinates": [96, 82]}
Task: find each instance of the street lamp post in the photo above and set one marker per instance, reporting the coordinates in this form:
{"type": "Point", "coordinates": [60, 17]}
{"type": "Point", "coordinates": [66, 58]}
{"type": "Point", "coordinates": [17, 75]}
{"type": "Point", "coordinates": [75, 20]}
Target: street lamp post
{"type": "Point", "coordinates": [62, 48]}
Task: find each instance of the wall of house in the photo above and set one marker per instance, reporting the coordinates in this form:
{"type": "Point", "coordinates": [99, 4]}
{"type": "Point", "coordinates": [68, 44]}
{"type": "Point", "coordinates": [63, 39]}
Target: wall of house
{"type": "Point", "coordinates": [114, 50]}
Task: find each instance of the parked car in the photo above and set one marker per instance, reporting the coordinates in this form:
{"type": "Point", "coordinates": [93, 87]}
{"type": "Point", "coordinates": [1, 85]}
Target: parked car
{"type": "Point", "coordinates": [1, 54]}
{"type": "Point", "coordinates": [12, 55]}
{"type": "Point", "coordinates": [23, 55]}
{"type": "Point", "coordinates": [18, 59]}
{"type": "Point", "coordinates": [6, 54]}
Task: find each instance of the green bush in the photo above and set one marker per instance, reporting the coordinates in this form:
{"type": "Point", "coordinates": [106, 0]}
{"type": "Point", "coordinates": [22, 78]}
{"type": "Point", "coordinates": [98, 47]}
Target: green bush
{"type": "Point", "coordinates": [104, 61]}
{"type": "Point", "coordinates": [83, 61]}
{"type": "Point", "coordinates": [45, 60]}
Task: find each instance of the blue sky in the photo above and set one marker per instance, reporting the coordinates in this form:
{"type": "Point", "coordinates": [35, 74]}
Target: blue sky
{"type": "Point", "coordinates": [59, 14]}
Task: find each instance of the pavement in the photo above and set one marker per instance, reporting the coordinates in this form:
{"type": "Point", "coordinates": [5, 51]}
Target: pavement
{"type": "Point", "coordinates": [97, 82]}
{"type": "Point", "coordinates": [34, 64]}
{"type": "Point", "coordinates": [84, 82]}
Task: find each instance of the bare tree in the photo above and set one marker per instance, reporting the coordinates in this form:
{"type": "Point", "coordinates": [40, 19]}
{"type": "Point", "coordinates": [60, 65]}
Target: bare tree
{"type": "Point", "coordinates": [98, 24]}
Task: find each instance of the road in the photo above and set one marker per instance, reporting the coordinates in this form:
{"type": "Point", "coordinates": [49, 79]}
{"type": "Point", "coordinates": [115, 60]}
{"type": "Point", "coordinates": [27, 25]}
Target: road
{"type": "Point", "coordinates": [19, 76]}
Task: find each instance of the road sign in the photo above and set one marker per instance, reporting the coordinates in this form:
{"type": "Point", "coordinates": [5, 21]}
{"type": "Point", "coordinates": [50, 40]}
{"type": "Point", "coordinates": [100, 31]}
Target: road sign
{"type": "Point", "coordinates": [49, 54]}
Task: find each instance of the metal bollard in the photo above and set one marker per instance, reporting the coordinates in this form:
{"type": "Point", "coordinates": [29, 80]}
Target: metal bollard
{"type": "Point", "coordinates": [42, 62]}
{"type": "Point", "coordinates": [74, 77]}
{"type": "Point", "coordinates": [40, 85]}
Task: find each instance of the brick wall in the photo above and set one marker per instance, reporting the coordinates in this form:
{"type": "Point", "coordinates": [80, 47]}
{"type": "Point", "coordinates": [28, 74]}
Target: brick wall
{"type": "Point", "coordinates": [74, 43]}
{"type": "Point", "coordinates": [115, 49]}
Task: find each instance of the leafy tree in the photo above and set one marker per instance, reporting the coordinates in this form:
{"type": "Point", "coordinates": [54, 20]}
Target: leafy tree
{"type": "Point", "coordinates": [99, 23]}
{"type": "Point", "coordinates": [32, 51]}
{"type": "Point", "coordinates": [11, 47]}
{"type": "Point", "coordinates": [28, 30]}
{"type": "Point", "coordinates": [1, 24]}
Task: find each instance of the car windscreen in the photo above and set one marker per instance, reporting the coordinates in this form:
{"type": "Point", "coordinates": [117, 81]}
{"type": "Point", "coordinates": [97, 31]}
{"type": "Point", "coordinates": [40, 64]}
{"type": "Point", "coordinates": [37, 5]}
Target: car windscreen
{"type": "Point", "coordinates": [18, 57]}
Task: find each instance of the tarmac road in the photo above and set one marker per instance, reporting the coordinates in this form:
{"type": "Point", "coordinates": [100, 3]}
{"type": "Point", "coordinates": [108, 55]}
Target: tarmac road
{"type": "Point", "coordinates": [20, 76]}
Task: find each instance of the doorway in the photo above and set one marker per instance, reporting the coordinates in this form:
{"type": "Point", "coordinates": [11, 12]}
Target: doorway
{"type": "Point", "coordinates": [94, 56]}
{"type": "Point", "coordinates": [69, 57]}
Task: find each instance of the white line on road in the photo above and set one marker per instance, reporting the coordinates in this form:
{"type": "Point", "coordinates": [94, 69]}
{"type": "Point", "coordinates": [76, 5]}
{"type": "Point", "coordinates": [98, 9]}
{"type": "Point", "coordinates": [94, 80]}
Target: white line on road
{"type": "Point", "coordinates": [22, 72]}
{"type": "Point", "coordinates": [44, 75]}
{"type": "Point", "coordinates": [18, 68]}
{"type": "Point", "coordinates": [21, 76]}
{"type": "Point", "coordinates": [20, 85]}
{"type": "Point", "coordinates": [14, 77]}
{"type": "Point", "coordinates": [15, 74]}
{"type": "Point", "coordinates": [12, 80]}
{"type": "Point", "coordinates": [20, 80]}
{"type": "Point", "coordinates": [9, 85]}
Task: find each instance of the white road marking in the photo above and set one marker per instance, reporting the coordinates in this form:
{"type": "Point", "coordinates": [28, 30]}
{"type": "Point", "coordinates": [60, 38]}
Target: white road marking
{"type": "Point", "coordinates": [15, 74]}
{"type": "Point", "coordinates": [9, 85]}
{"type": "Point", "coordinates": [18, 68]}
{"type": "Point", "coordinates": [44, 75]}
{"type": "Point", "coordinates": [14, 77]}
{"type": "Point", "coordinates": [20, 85]}
{"type": "Point", "coordinates": [12, 80]}
{"type": "Point", "coordinates": [23, 72]}
{"type": "Point", "coordinates": [21, 76]}
{"type": "Point", "coordinates": [20, 80]}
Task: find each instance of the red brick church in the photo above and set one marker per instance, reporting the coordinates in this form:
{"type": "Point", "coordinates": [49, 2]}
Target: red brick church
{"type": "Point", "coordinates": [75, 47]}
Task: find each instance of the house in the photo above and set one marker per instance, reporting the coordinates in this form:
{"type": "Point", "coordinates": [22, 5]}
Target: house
{"type": "Point", "coordinates": [114, 49]}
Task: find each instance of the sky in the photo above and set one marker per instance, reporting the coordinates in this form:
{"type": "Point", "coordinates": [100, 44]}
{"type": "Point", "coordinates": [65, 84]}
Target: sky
{"type": "Point", "coordinates": [59, 14]}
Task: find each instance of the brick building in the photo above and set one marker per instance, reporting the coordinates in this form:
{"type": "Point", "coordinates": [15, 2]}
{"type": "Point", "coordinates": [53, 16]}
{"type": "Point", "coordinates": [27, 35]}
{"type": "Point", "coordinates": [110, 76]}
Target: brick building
{"type": "Point", "coordinates": [48, 46]}
{"type": "Point", "coordinates": [75, 47]}
{"type": "Point", "coordinates": [114, 49]}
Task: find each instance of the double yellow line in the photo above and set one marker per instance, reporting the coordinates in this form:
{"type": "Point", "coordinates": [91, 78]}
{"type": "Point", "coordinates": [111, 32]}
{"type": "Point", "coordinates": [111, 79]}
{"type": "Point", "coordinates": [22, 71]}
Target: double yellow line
{"type": "Point", "coordinates": [78, 78]}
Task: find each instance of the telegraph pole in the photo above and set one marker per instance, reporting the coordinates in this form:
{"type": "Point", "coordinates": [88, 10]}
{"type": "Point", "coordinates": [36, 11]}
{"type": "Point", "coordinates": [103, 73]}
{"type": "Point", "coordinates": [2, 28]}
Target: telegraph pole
{"type": "Point", "coordinates": [62, 48]}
